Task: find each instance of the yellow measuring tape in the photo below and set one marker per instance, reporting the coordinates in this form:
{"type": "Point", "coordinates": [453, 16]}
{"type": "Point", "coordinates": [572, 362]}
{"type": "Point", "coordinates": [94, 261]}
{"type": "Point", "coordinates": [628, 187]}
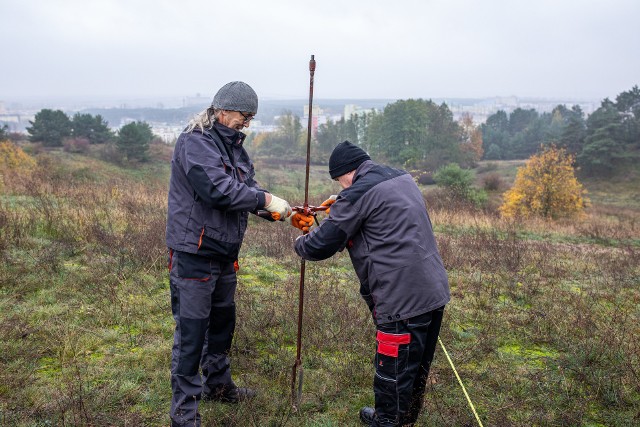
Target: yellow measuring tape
{"type": "Point", "coordinates": [461, 385]}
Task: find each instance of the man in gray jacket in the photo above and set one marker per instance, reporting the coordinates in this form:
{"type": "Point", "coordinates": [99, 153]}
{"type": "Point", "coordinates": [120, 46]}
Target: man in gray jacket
{"type": "Point", "coordinates": [211, 192]}
{"type": "Point", "coordinates": [381, 218]}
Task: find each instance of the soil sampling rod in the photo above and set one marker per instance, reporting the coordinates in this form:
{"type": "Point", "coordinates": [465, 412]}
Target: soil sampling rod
{"type": "Point", "coordinates": [296, 392]}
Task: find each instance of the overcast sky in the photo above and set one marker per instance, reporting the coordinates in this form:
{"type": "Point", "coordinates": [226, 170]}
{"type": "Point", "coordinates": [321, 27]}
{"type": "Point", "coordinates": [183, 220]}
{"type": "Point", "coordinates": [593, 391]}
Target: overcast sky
{"type": "Point", "coordinates": [570, 49]}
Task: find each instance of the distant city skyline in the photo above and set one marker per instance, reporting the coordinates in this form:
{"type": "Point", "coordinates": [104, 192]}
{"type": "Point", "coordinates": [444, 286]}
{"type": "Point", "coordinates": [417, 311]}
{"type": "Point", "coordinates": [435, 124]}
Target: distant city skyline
{"type": "Point", "coordinates": [167, 122]}
{"type": "Point", "coordinates": [82, 102]}
{"type": "Point", "coordinates": [163, 50]}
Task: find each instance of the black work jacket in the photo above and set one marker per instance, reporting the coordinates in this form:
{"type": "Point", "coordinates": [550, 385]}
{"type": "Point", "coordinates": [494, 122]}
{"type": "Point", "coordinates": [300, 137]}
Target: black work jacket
{"type": "Point", "coordinates": [383, 222]}
{"type": "Point", "coordinates": [211, 192]}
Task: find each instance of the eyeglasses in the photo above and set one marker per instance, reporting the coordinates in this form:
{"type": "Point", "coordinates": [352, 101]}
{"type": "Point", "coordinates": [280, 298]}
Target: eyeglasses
{"type": "Point", "coordinates": [247, 116]}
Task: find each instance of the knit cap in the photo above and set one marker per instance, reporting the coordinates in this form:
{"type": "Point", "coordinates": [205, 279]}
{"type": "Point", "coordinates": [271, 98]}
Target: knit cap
{"type": "Point", "coordinates": [345, 158]}
{"type": "Point", "coordinates": [236, 96]}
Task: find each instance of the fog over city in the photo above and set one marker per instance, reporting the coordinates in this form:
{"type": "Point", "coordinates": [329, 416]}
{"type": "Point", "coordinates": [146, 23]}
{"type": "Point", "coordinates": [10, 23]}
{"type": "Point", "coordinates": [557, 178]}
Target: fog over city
{"type": "Point", "coordinates": [163, 51]}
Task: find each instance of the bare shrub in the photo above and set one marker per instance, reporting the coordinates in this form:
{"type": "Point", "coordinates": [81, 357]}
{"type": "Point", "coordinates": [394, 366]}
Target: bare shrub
{"type": "Point", "coordinates": [76, 145]}
{"type": "Point", "coordinates": [487, 167]}
{"type": "Point", "coordinates": [4, 227]}
{"type": "Point", "coordinates": [109, 153]}
{"type": "Point", "coordinates": [423, 177]}
{"type": "Point", "coordinates": [270, 239]}
{"type": "Point", "coordinates": [610, 223]}
{"type": "Point", "coordinates": [445, 201]}
{"type": "Point", "coordinates": [493, 182]}
{"type": "Point", "coordinates": [484, 250]}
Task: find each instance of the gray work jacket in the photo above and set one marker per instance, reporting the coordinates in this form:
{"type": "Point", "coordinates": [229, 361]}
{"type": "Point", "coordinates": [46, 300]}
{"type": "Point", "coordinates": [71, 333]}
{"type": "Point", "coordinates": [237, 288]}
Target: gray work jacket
{"type": "Point", "coordinates": [211, 191]}
{"type": "Point", "coordinates": [382, 220]}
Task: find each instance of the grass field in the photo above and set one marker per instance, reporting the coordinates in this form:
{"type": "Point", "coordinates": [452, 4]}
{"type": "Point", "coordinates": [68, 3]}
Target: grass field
{"type": "Point", "coordinates": [542, 326]}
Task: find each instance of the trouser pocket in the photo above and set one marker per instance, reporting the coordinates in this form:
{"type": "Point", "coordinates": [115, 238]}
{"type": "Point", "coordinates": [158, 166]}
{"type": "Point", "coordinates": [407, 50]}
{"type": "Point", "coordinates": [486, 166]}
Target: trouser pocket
{"type": "Point", "coordinates": [389, 344]}
{"type": "Point", "coordinates": [193, 267]}
{"type": "Point", "coordinates": [391, 378]}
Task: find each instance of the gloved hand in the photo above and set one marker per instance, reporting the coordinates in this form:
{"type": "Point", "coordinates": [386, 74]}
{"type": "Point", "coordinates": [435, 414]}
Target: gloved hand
{"type": "Point", "coordinates": [329, 202]}
{"type": "Point", "coordinates": [278, 206]}
{"type": "Point", "coordinates": [300, 220]}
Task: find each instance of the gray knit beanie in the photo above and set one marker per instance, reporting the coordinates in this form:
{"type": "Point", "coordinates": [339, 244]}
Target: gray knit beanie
{"type": "Point", "coordinates": [236, 96]}
{"type": "Point", "coordinates": [345, 158]}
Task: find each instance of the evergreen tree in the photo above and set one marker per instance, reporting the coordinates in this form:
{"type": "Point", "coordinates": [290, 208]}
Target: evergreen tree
{"type": "Point", "coordinates": [493, 153]}
{"type": "Point", "coordinates": [628, 104]}
{"type": "Point", "coordinates": [495, 133]}
{"type": "Point", "coordinates": [524, 144]}
{"type": "Point", "coordinates": [602, 150]}
{"type": "Point", "coordinates": [520, 120]}
{"type": "Point", "coordinates": [574, 133]}
{"type": "Point", "coordinates": [95, 129]}
{"type": "Point", "coordinates": [629, 101]}
{"type": "Point", "coordinates": [50, 127]}
{"type": "Point", "coordinates": [133, 141]}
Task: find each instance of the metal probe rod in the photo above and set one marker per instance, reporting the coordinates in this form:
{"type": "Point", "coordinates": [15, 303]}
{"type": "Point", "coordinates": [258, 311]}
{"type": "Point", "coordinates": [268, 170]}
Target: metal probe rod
{"type": "Point", "coordinates": [296, 393]}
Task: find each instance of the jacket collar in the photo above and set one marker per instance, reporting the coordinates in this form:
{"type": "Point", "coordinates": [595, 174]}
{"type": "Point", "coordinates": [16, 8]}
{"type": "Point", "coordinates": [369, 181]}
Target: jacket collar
{"type": "Point", "coordinates": [228, 135]}
{"type": "Point", "coordinates": [363, 169]}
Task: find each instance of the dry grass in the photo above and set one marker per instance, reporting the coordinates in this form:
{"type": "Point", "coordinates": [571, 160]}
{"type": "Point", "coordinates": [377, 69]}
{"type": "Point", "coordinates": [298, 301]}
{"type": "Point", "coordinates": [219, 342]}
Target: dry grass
{"type": "Point", "coordinates": [543, 324]}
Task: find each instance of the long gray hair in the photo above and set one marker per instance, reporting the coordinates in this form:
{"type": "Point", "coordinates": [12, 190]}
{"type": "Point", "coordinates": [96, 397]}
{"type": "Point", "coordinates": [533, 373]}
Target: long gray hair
{"type": "Point", "coordinates": [203, 119]}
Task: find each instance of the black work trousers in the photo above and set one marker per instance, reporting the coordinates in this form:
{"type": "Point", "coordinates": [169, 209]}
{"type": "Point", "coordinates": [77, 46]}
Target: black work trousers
{"type": "Point", "coordinates": [404, 354]}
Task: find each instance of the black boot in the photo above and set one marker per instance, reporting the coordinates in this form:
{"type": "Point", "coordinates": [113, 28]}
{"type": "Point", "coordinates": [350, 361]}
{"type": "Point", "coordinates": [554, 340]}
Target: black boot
{"type": "Point", "coordinates": [367, 415]}
{"type": "Point", "coordinates": [230, 395]}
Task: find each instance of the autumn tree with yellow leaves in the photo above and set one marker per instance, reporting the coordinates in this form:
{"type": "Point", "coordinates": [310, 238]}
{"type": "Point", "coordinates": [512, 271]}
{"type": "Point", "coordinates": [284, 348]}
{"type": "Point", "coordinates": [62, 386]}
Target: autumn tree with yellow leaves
{"type": "Point", "coordinates": [13, 159]}
{"type": "Point", "coordinates": [546, 186]}
{"type": "Point", "coordinates": [15, 165]}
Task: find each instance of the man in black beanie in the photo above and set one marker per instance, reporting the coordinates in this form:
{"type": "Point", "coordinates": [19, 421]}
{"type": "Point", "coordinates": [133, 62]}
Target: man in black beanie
{"type": "Point", "coordinates": [381, 218]}
{"type": "Point", "coordinates": [345, 158]}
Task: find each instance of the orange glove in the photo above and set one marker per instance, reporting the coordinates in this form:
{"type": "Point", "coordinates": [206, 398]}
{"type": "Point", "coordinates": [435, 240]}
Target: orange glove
{"type": "Point", "coordinates": [331, 200]}
{"type": "Point", "coordinates": [301, 221]}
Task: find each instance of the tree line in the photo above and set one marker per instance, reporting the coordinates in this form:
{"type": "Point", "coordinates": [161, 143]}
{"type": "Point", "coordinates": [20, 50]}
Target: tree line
{"type": "Point", "coordinates": [413, 133]}
{"type": "Point", "coordinates": [604, 143]}
{"type": "Point", "coordinates": [419, 134]}
{"type": "Point", "coordinates": [53, 128]}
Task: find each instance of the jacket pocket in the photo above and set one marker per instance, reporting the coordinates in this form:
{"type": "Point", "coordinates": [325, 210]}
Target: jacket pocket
{"type": "Point", "coordinates": [246, 174]}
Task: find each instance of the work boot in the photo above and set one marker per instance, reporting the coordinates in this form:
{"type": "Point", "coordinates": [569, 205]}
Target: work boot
{"type": "Point", "coordinates": [230, 395]}
{"type": "Point", "coordinates": [367, 414]}
{"type": "Point", "coordinates": [189, 424]}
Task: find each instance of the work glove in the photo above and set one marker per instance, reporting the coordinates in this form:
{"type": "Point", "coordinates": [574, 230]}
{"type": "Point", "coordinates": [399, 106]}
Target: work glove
{"type": "Point", "coordinates": [331, 200]}
{"type": "Point", "coordinates": [301, 221]}
{"type": "Point", "coordinates": [279, 208]}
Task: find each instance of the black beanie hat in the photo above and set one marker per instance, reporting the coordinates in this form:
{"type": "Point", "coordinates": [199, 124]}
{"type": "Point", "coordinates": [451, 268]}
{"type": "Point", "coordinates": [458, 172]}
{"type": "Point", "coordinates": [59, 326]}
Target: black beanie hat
{"type": "Point", "coordinates": [345, 158]}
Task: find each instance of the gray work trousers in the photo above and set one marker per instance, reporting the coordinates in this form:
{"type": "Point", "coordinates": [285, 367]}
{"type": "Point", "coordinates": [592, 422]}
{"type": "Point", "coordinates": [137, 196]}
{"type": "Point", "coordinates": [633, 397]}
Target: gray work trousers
{"type": "Point", "coordinates": [203, 306]}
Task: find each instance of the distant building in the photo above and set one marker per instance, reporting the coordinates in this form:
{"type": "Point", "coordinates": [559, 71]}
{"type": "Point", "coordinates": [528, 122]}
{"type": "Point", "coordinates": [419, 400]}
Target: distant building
{"type": "Point", "coordinates": [317, 111]}
{"type": "Point", "coordinates": [166, 132]}
{"type": "Point", "coordinates": [15, 121]}
{"type": "Point", "coordinates": [353, 109]}
{"type": "Point", "coordinates": [315, 118]}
